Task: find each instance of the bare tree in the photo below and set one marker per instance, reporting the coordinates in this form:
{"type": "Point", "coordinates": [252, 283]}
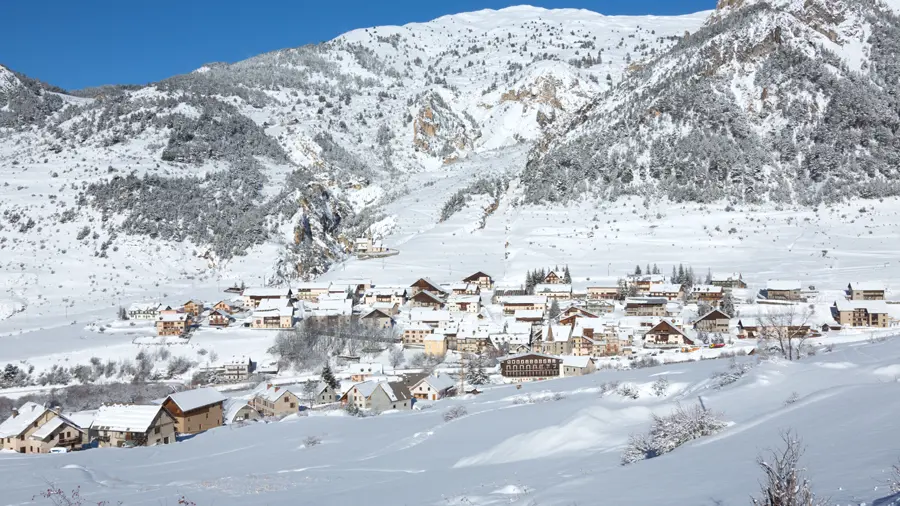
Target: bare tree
{"type": "Point", "coordinates": [784, 483]}
{"type": "Point", "coordinates": [396, 357]}
{"type": "Point", "coordinates": [787, 329]}
{"type": "Point", "coordinates": [310, 389]}
{"type": "Point", "coordinates": [895, 479]}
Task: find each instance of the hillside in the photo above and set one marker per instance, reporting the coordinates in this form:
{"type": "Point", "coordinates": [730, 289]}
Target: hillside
{"type": "Point", "coordinates": [268, 168]}
{"type": "Point", "coordinates": [768, 101]}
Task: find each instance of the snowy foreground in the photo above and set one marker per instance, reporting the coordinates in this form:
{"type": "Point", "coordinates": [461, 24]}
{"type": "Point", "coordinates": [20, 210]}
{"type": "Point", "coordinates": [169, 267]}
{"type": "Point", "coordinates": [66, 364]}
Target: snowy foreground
{"type": "Point", "coordinates": [526, 446]}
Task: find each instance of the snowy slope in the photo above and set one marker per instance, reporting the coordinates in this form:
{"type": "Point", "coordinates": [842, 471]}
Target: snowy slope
{"type": "Point", "coordinates": [523, 447]}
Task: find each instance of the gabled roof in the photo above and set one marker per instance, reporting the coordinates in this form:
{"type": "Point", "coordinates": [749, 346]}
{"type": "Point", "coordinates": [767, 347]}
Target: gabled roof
{"type": "Point", "coordinates": [221, 313]}
{"type": "Point", "coordinates": [232, 408]}
{"type": "Point", "coordinates": [439, 382]}
{"type": "Point", "coordinates": [556, 333]}
{"type": "Point", "coordinates": [573, 361]}
{"type": "Point", "coordinates": [427, 296]}
{"type": "Point", "coordinates": [46, 430]}
{"type": "Point", "coordinates": [427, 284]}
{"type": "Point", "coordinates": [126, 418]}
{"type": "Point", "coordinates": [471, 299]}
{"type": "Point", "coordinates": [16, 425]}
{"type": "Point", "coordinates": [376, 313]}
{"type": "Point", "coordinates": [715, 314]}
{"type": "Point", "coordinates": [665, 325]}
{"type": "Point", "coordinates": [474, 277]}
{"type": "Point", "coordinates": [189, 400]}
{"type": "Point", "coordinates": [272, 393]}
{"type": "Point", "coordinates": [726, 276]}
{"type": "Point", "coordinates": [423, 314]}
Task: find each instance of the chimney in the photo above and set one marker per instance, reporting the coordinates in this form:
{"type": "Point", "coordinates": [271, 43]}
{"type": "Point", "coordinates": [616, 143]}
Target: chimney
{"type": "Point", "coordinates": [268, 385]}
{"type": "Point", "coordinates": [15, 412]}
{"type": "Point", "coordinates": [277, 389]}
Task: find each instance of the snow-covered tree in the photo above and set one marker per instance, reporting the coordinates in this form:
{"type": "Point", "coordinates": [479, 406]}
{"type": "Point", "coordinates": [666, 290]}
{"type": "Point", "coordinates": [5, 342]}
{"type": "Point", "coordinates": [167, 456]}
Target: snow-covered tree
{"type": "Point", "coordinates": [784, 483]}
{"type": "Point", "coordinates": [475, 371]}
{"type": "Point", "coordinates": [553, 312]}
{"type": "Point", "coordinates": [396, 357]}
{"type": "Point", "coordinates": [329, 379]}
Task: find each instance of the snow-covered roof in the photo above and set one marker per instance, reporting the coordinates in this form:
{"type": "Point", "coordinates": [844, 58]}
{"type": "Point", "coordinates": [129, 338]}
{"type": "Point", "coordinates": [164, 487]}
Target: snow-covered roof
{"type": "Point", "coordinates": [666, 288]}
{"type": "Point", "coordinates": [471, 299]}
{"type": "Point", "coordinates": [241, 360]}
{"type": "Point", "coordinates": [435, 337]}
{"type": "Point", "coordinates": [523, 299]}
{"type": "Point", "coordinates": [273, 303]}
{"type": "Point", "coordinates": [559, 332]}
{"type": "Point", "coordinates": [552, 288]}
{"type": "Point", "coordinates": [572, 361]}
{"type": "Point", "coordinates": [324, 286]}
{"type": "Point", "coordinates": [82, 419]}
{"type": "Point", "coordinates": [16, 425]}
{"type": "Point", "coordinates": [779, 284]}
{"type": "Point", "coordinates": [190, 400]}
{"type": "Point", "coordinates": [424, 314]}
{"type": "Point", "coordinates": [429, 282]}
{"type": "Point", "coordinates": [265, 292]}
{"type": "Point", "coordinates": [272, 393]}
{"type": "Point", "coordinates": [872, 306]}
{"type": "Point", "coordinates": [646, 300]}
{"type": "Point", "coordinates": [528, 313]}
{"type": "Point", "coordinates": [172, 317]}
{"type": "Point", "coordinates": [384, 306]}
{"type": "Point", "coordinates": [869, 286]}
{"type": "Point", "coordinates": [726, 276]}
{"type": "Point", "coordinates": [706, 289]}
{"type": "Point", "coordinates": [275, 311]}
{"type": "Point", "coordinates": [386, 290]}
{"type": "Point", "coordinates": [366, 368]}
{"type": "Point", "coordinates": [232, 407]}
{"type": "Point", "coordinates": [514, 327]}
{"type": "Point", "coordinates": [46, 430]}
{"type": "Point", "coordinates": [125, 418]}
{"type": "Point", "coordinates": [144, 306]}
{"type": "Point", "coordinates": [439, 382]}
{"type": "Point", "coordinates": [527, 354]}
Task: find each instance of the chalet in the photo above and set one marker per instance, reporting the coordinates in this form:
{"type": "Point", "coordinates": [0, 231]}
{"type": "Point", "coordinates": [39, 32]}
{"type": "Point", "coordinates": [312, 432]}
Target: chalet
{"type": "Point", "coordinates": [367, 245]}
{"type": "Point", "coordinates": [356, 286]}
{"type": "Point", "coordinates": [643, 283]}
{"type": "Point", "coordinates": [120, 426]}
{"type": "Point", "coordinates": [377, 318]}
{"type": "Point", "coordinates": [143, 311]}
{"type": "Point", "coordinates": [464, 303]}
{"type": "Point", "coordinates": [220, 318]}
{"type": "Point", "coordinates": [529, 315]}
{"type": "Point", "coordinates": [378, 396]}
{"type": "Point", "coordinates": [666, 335]}
{"type": "Point", "coordinates": [646, 306]}
{"type": "Point", "coordinates": [225, 306]}
{"type": "Point", "coordinates": [387, 308]}
{"type": "Point", "coordinates": [866, 291]}
{"type": "Point", "coordinates": [239, 410]}
{"type": "Point", "coordinates": [500, 293]}
{"type": "Point", "coordinates": [475, 341]}
{"type": "Point", "coordinates": [749, 331]}
{"type": "Point", "coordinates": [555, 340]}
{"type": "Point", "coordinates": [530, 302]}
{"type": "Point", "coordinates": [783, 290]}
{"type": "Point", "coordinates": [237, 369]}
{"type": "Point", "coordinates": [728, 280]}
{"type": "Point", "coordinates": [323, 394]}
{"type": "Point", "coordinates": [461, 289]}
{"type": "Point", "coordinates": [395, 295]}
{"type": "Point", "coordinates": [599, 306]}
{"type": "Point", "coordinates": [713, 321]}
{"type": "Point", "coordinates": [484, 281]}
{"type": "Point", "coordinates": [253, 296]}
{"type": "Point", "coordinates": [426, 299]}
{"type": "Point", "coordinates": [575, 312]}
{"type": "Point", "coordinates": [273, 314]}
{"type": "Point", "coordinates": [58, 432]}
{"type": "Point", "coordinates": [16, 431]}
{"type": "Point", "coordinates": [425, 285]}
{"type": "Point", "coordinates": [173, 324]}
{"type": "Point", "coordinates": [432, 318]}
{"type": "Point", "coordinates": [530, 366]}
{"type": "Point", "coordinates": [193, 307]}
{"type": "Point", "coordinates": [274, 400]}
{"type": "Point", "coordinates": [311, 291]}
{"type": "Point", "coordinates": [553, 278]}
{"type": "Point", "coordinates": [432, 388]}
{"type": "Point", "coordinates": [195, 410]}
{"type": "Point", "coordinates": [331, 308]}
{"type": "Point", "coordinates": [577, 366]}
{"type": "Point", "coordinates": [362, 371]}
{"type": "Point", "coordinates": [862, 313]}
{"type": "Point", "coordinates": [602, 289]}
{"type": "Point", "coordinates": [415, 334]}
{"type": "Point", "coordinates": [667, 290]}
{"type": "Point", "coordinates": [709, 294]}
{"type": "Point", "coordinates": [558, 291]}
{"type": "Point", "coordinates": [435, 345]}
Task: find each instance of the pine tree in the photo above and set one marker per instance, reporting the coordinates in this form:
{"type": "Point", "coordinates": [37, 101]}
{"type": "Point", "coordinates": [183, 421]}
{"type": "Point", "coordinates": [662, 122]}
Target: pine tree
{"type": "Point", "coordinates": [553, 312]}
{"type": "Point", "coordinates": [475, 373]}
{"type": "Point", "coordinates": [708, 276]}
{"type": "Point", "coordinates": [637, 270]}
{"type": "Point", "coordinates": [689, 276]}
{"type": "Point", "coordinates": [567, 277]}
{"type": "Point", "coordinates": [674, 278]}
{"type": "Point", "coordinates": [329, 379]}
{"type": "Point", "coordinates": [681, 275]}
{"type": "Point", "coordinates": [648, 271]}
{"type": "Point", "coordinates": [727, 304]}
{"type": "Point", "coordinates": [656, 269]}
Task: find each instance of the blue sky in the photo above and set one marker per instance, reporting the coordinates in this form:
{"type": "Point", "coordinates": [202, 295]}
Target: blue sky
{"type": "Point", "coordinates": [74, 44]}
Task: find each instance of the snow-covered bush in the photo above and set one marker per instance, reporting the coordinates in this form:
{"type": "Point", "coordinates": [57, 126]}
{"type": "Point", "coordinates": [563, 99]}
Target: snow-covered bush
{"type": "Point", "coordinates": [629, 391]}
{"type": "Point", "coordinates": [311, 441]}
{"type": "Point", "coordinates": [784, 483]}
{"type": "Point", "coordinates": [57, 375]}
{"type": "Point", "coordinates": [609, 386]}
{"type": "Point", "coordinates": [671, 431]}
{"type": "Point", "coordinates": [735, 372]}
{"type": "Point", "coordinates": [178, 366]}
{"type": "Point", "coordinates": [661, 387]}
{"type": "Point", "coordinates": [794, 397]}
{"type": "Point", "coordinates": [645, 362]}
{"type": "Point", "coordinates": [454, 413]}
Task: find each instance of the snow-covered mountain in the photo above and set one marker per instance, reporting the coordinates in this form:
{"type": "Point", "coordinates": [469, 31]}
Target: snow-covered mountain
{"type": "Point", "coordinates": [784, 100]}
{"type": "Point", "coordinates": [286, 157]}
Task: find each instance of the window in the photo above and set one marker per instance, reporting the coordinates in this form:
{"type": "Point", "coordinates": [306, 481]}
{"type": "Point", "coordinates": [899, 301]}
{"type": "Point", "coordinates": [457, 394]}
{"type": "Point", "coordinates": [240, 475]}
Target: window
{"type": "Point", "coordinates": [156, 430]}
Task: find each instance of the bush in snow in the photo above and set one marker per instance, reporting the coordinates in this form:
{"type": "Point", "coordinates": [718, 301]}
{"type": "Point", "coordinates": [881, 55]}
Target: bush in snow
{"type": "Point", "coordinates": [55, 376]}
{"type": "Point", "coordinates": [454, 413]}
{"type": "Point", "coordinates": [178, 366]}
{"type": "Point", "coordinates": [671, 431]}
{"type": "Point", "coordinates": [792, 399]}
{"type": "Point", "coordinates": [83, 373]}
{"type": "Point", "coordinates": [629, 391]}
{"type": "Point", "coordinates": [396, 357]}
{"type": "Point", "coordinates": [609, 386]}
{"type": "Point", "coordinates": [645, 362]}
{"type": "Point", "coordinates": [661, 387]}
{"type": "Point", "coordinates": [311, 441]}
{"type": "Point", "coordinates": [784, 483]}
{"type": "Point", "coordinates": [735, 372]}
